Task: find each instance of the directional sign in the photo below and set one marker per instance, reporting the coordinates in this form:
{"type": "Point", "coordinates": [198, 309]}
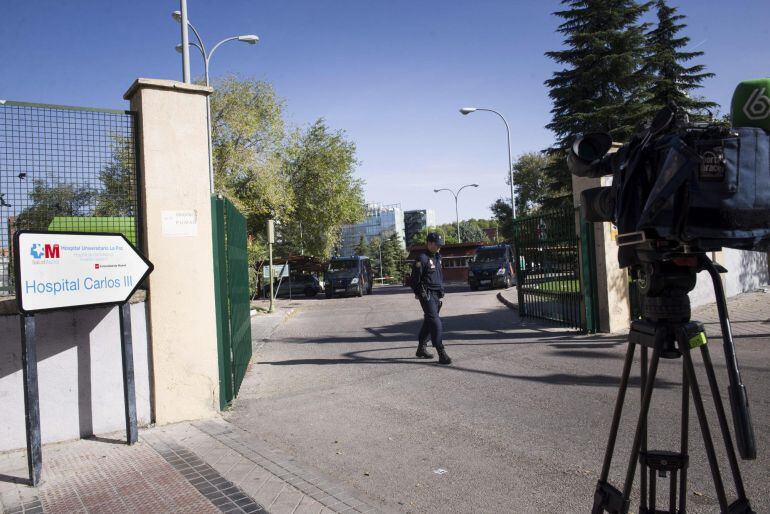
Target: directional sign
{"type": "Point", "coordinates": [59, 270]}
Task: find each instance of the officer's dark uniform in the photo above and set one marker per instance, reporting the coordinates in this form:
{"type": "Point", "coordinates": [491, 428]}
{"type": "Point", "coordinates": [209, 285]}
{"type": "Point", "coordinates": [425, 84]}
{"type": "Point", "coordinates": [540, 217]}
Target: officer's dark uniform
{"type": "Point", "coordinates": [428, 287]}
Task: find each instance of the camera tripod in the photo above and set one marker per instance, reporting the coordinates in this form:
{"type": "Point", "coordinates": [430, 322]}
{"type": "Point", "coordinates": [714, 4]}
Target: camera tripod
{"type": "Point", "coordinates": [669, 333]}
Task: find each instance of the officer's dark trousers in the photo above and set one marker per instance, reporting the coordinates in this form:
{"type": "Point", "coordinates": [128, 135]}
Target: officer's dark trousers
{"type": "Point", "coordinates": [431, 324]}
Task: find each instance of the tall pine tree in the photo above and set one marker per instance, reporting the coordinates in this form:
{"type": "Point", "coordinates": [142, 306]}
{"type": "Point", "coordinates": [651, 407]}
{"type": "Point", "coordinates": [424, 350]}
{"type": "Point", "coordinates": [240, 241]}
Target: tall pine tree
{"type": "Point", "coordinates": [602, 83]}
{"type": "Point", "coordinates": [671, 80]}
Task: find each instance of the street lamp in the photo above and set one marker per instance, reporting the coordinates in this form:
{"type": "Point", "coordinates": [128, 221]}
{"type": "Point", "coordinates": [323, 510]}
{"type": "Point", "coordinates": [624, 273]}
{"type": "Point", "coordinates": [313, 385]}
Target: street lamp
{"type": "Point", "coordinates": [246, 38]}
{"type": "Point", "coordinates": [468, 110]}
{"type": "Point", "coordinates": [457, 212]}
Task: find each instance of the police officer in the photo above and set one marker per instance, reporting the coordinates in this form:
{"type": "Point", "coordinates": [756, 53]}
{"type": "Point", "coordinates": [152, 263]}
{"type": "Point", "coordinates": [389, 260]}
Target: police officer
{"type": "Point", "coordinates": [428, 287]}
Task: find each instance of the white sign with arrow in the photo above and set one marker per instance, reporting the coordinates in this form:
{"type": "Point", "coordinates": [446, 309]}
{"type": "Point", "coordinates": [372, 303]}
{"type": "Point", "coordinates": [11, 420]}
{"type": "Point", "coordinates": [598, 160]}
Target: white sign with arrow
{"type": "Point", "coordinates": [58, 270]}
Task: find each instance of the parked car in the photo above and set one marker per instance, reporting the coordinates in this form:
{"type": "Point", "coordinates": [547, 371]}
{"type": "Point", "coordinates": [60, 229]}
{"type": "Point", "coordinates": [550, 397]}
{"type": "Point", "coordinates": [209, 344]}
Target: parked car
{"type": "Point", "coordinates": [348, 275]}
{"type": "Point", "coordinates": [296, 285]}
{"type": "Point", "coordinates": [492, 266]}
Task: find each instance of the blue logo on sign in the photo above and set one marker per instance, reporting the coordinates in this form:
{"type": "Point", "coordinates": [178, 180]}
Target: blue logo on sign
{"type": "Point", "coordinates": [36, 251]}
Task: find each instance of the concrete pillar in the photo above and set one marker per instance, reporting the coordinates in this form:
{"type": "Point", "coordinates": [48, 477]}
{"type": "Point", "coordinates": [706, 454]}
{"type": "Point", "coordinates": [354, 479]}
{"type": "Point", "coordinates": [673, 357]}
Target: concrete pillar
{"type": "Point", "coordinates": [174, 180]}
{"type": "Point", "coordinates": [611, 281]}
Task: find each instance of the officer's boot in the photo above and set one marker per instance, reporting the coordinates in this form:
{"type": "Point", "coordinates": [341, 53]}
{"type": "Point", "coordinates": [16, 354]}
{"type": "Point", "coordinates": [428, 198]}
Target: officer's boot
{"type": "Point", "coordinates": [423, 353]}
{"type": "Point", "coordinates": [443, 358]}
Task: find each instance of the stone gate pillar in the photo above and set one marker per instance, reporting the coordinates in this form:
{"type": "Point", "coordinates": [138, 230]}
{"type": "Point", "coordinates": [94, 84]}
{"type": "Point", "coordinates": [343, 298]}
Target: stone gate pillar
{"type": "Point", "coordinates": [611, 280]}
{"type": "Point", "coordinates": [175, 198]}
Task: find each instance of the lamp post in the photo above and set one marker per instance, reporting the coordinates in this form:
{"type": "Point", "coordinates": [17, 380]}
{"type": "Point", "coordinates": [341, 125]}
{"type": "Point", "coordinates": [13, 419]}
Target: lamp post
{"type": "Point", "coordinates": [457, 211]}
{"type": "Point", "coordinates": [468, 110]}
{"type": "Point", "coordinates": [247, 38]}
{"type": "Point", "coordinates": [185, 49]}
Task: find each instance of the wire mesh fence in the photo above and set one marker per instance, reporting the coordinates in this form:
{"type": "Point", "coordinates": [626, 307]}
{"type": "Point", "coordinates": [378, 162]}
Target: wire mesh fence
{"type": "Point", "coordinates": [65, 169]}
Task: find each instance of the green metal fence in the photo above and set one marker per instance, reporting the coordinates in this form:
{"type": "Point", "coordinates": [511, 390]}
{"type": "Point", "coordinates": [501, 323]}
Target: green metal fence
{"type": "Point", "coordinates": [548, 257]}
{"type": "Point", "coordinates": [231, 292]}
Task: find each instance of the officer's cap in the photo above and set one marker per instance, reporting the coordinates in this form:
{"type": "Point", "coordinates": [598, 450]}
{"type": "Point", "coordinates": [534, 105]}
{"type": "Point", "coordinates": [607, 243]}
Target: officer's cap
{"type": "Point", "coordinates": [435, 238]}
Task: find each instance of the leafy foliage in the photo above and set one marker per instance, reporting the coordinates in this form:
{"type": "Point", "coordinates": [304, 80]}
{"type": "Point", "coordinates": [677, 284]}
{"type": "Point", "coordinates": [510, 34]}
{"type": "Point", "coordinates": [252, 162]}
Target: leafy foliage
{"type": "Point", "coordinates": [304, 179]}
{"type": "Point", "coordinates": [118, 198]}
{"type": "Point", "coordinates": [534, 186]}
{"type": "Point", "coordinates": [671, 80]}
{"type": "Point", "coordinates": [319, 166]}
{"type": "Point", "coordinates": [50, 201]}
{"type": "Point", "coordinates": [501, 211]}
{"type": "Point", "coordinates": [471, 230]}
{"type": "Point", "coordinates": [602, 84]}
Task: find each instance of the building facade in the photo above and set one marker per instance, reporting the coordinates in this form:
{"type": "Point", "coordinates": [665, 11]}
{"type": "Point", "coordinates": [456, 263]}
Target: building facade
{"type": "Point", "coordinates": [416, 221]}
{"type": "Point", "coordinates": [381, 221]}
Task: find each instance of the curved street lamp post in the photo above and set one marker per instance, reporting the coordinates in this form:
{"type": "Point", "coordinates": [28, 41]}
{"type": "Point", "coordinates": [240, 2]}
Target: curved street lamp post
{"type": "Point", "coordinates": [468, 110]}
{"type": "Point", "coordinates": [247, 38]}
{"type": "Point", "coordinates": [457, 212]}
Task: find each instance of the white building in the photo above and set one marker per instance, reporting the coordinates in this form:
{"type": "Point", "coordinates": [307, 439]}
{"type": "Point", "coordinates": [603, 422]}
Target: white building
{"type": "Point", "coordinates": [381, 221]}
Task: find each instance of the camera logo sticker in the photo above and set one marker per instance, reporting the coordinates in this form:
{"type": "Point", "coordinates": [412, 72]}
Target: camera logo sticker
{"type": "Point", "coordinates": [757, 107]}
{"type": "Point", "coordinates": [712, 166]}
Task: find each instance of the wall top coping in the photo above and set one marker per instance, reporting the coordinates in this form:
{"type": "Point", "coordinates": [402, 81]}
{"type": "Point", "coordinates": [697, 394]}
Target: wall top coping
{"type": "Point", "coordinates": [170, 85]}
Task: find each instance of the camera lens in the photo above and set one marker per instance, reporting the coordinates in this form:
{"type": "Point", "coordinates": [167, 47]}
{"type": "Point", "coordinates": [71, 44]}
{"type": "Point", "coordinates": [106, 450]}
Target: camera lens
{"type": "Point", "coordinates": [598, 204]}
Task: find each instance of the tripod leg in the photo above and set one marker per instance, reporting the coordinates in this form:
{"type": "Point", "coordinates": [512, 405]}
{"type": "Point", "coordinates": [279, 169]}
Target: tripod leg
{"type": "Point", "coordinates": [739, 402]}
{"type": "Point", "coordinates": [641, 424]}
{"type": "Point", "coordinates": [617, 413]}
{"type": "Point", "coordinates": [684, 440]}
{"type": "Point", "coordinates": [604, 492]}
{"type": "Point", "coordinates": [684, 346]}
{"type": "Point", "coordinates": [644, 352]}
{"type": "Point", "coordinates": [725, 428]}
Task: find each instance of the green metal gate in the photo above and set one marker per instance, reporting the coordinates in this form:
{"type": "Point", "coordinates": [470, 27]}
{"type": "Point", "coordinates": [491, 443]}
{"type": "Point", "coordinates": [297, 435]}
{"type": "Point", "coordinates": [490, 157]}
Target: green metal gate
{"type": "Point", "coordinates": [231, 292]}
{"type": "Point", "coordinates": [548, 255]}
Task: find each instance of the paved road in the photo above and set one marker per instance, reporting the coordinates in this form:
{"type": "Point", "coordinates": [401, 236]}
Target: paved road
{"type": "Point", "coordinates": [519, 422]}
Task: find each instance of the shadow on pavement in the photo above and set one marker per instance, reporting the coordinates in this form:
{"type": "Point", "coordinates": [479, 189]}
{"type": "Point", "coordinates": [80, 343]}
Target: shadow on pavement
{"type": "Point", "coordinates": [15, 480]}
{"type": "Point", "coordinates": [554, 378]}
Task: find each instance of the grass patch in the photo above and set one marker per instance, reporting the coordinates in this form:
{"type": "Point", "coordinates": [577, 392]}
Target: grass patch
{"type": "Point", "coordinates": [557, 286]}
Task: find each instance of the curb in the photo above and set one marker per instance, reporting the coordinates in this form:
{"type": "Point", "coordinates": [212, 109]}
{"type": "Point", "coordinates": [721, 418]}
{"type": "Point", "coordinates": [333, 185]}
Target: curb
{"type": "Point", "coordinates": [507, 302]}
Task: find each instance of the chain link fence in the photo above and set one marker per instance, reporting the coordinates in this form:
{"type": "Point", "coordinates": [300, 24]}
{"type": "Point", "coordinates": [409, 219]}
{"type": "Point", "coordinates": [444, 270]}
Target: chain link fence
{"type": "Point", "coordinates": [65, 169]}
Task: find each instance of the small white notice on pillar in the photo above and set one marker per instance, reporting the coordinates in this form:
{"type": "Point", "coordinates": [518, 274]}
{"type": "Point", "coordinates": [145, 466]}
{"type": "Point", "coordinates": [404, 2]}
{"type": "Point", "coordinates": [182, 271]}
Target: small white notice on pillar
{"type": "Point", "coordinates": [179, 223]}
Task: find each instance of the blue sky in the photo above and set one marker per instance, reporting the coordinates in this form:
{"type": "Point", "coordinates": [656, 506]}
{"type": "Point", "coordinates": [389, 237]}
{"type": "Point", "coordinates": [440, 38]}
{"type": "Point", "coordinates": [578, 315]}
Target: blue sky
{"type": "Point", "coordinates": [392, 74]}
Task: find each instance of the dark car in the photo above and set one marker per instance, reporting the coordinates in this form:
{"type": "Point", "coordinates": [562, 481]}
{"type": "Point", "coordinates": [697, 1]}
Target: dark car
{"type": "Point", "coordinates": [348, 275]}
{"type": "Point", "coordinates": [296, 285]}
{"type": "Point", "coordinates": [492, 266]}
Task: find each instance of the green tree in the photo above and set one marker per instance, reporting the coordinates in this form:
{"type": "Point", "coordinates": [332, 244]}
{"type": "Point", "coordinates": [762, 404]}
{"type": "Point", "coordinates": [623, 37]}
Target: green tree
{"type": "Point", "coordinates": [248, 138]}
{"type": "Point", "coordinates": [51, 201]}
{"type": "Point", "coordinates": [319, 166]}
{"type": "Point", "coordinates": [361, 248]}
{"type": "Point", "coordinates": [672, 81]}
{"type": "Point", "coordinates": [501, 210]}
{"type": "Point", "coordinates": [601, 86]}
{"type": "Point", "coordinates": [392, 257]}
{"type": "Point", "coordinates": [304, 179]}
{"type": "Point", "coordinates": [118, 196]}
{"type": "Point", "coordinates": [448, 232]}
{"type": "Point", "coordinates": [471, 232]}
{"type": "Point", "coordinates": [534, 186]}
{"type": "Point", "coordinates": [373, 252]}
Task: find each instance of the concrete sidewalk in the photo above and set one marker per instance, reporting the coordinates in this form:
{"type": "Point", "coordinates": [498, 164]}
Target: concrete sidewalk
{"type": "Point", "coordinates": [198, 467]}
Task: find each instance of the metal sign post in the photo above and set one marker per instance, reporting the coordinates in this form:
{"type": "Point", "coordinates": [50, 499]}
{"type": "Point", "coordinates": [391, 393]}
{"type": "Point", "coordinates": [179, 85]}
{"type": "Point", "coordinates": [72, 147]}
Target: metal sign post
{"type": "Point", "coordinates": [66, 270]}
{"type": "Point", "coordinates": [270, 242]}
{"type": "Point", "coordinates": [129, 389]}
{"type": "Point", "coordinates": [31, 398]}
